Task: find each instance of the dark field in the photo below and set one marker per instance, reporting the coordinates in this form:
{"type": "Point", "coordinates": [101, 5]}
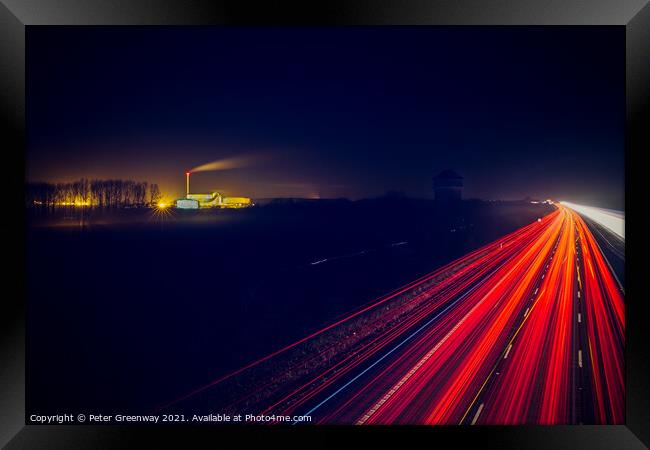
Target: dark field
{"type": "Point", "coordinates": [131, 309]}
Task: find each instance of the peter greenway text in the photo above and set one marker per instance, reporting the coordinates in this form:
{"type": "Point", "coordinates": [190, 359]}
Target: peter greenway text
{"type": "Point", "coordinates": [165, 418]}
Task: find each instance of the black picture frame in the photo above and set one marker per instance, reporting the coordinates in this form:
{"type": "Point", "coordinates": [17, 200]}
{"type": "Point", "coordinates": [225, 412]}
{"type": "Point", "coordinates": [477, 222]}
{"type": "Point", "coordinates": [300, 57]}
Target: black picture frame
{"type": "Point", "coordinates": [17, 15]}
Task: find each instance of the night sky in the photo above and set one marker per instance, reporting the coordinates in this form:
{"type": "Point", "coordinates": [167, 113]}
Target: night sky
{"type": "Point", "coordinates": [340, 112]}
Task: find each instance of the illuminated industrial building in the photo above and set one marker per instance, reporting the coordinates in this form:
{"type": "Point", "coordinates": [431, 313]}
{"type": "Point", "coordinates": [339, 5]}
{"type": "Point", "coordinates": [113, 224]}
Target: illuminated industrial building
{"type": "Point", "coordinates": [186, 203]}
{"type": "Point", "coordinates": [216, 200]}
{"type": "Point", "coordinates": [213, 200]}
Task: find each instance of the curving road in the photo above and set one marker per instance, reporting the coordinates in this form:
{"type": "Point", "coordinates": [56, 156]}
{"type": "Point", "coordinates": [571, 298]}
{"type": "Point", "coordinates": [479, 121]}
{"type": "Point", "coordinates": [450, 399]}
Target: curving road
{"type": "Point", "coordinates": [526, 330]}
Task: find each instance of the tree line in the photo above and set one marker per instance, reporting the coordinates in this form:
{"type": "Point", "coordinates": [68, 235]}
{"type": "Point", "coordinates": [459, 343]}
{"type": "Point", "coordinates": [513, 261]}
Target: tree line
{"type": "Point", "coordinates": [96, 193]}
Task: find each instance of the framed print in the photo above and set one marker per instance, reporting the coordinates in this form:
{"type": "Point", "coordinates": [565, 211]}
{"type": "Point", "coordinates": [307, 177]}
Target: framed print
{"type": "Point", "coordinates": [276, 222]}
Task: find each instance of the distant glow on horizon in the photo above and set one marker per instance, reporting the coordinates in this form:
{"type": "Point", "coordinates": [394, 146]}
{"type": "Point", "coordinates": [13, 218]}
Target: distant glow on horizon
{"type": "Point", "coordinates": [612, 220]}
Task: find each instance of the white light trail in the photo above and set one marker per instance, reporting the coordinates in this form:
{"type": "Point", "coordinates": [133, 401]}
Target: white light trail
{"type": "Point", "coordinates": [612, 220]}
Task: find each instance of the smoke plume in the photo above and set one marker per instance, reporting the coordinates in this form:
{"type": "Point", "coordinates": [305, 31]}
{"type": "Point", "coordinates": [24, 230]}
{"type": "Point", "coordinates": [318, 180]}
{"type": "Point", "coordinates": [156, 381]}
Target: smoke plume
{"type": "Point", "coordinates": [226, 163]}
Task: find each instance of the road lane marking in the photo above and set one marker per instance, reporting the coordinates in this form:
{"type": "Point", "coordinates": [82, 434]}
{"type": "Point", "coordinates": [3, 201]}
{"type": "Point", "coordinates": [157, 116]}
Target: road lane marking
{"type": "Point", "coordinates": [579, 318]}
{"type": "Point", "coordinates": [580, 358]}
{"type": "Point", "coordinates": [495, 366]}
{"type": "Point", "coordinates": [507, 352]}
{"type": "Point", "coordinates": [478, 413]}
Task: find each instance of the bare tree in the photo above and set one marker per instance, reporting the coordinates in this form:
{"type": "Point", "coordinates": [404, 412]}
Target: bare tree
{"type": "Point", "coordinates": [96, 193]}
{"type": "Point", "coordinates": [154, 193]}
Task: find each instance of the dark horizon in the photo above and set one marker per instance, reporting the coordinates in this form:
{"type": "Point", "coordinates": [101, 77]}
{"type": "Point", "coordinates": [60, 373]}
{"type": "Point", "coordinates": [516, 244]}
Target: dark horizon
{"type": "Point", "coordinates": [329, 113]}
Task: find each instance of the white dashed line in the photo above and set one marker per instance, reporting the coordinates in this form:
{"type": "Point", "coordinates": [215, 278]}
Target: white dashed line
{"type": "Point", "coordinates": [478, 413]}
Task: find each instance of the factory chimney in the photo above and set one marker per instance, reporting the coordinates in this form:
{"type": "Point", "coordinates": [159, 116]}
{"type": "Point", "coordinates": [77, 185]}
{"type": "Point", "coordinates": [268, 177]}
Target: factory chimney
{"type": "Point", "coordinates": [187, 184]}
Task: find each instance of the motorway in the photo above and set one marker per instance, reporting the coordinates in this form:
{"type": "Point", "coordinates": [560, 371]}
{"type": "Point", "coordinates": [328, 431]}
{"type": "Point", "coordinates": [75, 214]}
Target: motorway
{"type": "Point", "coordinates": [526, 330]}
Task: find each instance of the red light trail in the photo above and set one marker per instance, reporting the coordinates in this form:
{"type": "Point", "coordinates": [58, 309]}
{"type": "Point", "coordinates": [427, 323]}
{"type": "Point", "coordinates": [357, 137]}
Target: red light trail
{"type": "Point", "coordinates": [526, 330]}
